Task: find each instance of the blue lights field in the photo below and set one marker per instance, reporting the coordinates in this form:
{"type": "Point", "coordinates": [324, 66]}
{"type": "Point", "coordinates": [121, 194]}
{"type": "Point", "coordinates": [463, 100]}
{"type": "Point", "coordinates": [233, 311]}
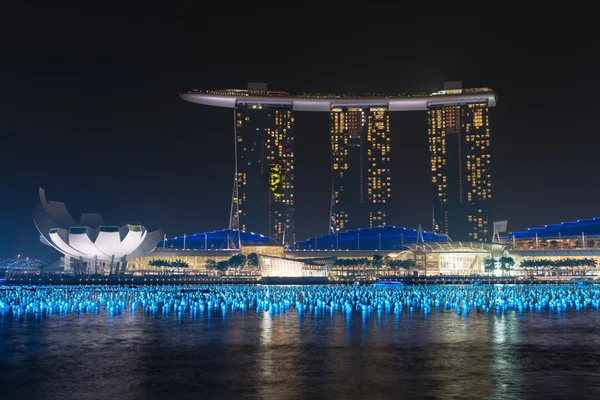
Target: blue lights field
{"type": "Point", "coordinates": [195, 300]}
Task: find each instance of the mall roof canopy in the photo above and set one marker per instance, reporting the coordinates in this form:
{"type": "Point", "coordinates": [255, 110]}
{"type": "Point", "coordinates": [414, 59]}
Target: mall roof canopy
{"type": "Point", "coordinates": [447, 247]}
{"type": "Point", "coordinates": [217, 240]}
{"type": "Point", "coordinates": [587, 227]}
{"type": "Point", "coordinates": [376, 238]}
{"type": "Point", "coordinates": [555, 253]}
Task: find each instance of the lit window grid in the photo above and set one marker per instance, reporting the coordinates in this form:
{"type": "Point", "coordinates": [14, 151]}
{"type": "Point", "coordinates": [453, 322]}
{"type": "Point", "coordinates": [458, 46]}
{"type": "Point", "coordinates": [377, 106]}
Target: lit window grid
{"type": "Point", "coordinates": [473, 122]}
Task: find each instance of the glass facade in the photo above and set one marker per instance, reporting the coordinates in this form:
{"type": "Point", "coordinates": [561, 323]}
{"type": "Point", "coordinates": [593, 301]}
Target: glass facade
{"type": "Point", "coordinates": [459, 145]}
{"type": "Point", "coordinates": [285, 267]}
{"type": "Point", "coordinates": [360, 157]}
{"type": "Point", "coordinates": [265, 171]}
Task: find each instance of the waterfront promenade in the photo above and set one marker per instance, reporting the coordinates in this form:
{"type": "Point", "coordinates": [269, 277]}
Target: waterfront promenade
{"type": "Point", "coordinates": [254, 280]}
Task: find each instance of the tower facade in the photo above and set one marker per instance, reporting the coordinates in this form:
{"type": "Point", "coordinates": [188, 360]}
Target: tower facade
{"type": "Point", "coordinates": [360, 158]}
{"type": "Point", "coordinates": [459, 145]}
{"type": "Point", "coordinates": [264, 142]}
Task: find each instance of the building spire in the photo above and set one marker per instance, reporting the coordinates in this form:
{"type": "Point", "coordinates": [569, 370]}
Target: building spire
{"type": "Point", "coordinates": [420, 235]}
{"type": "Point", "coordinates": [332, 222]}
{"type": "Point", "coordinates": [234, 214]}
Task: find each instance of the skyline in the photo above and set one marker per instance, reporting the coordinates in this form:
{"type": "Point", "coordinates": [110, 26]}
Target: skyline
{"type": "Point", "coordinates": [114, 137]}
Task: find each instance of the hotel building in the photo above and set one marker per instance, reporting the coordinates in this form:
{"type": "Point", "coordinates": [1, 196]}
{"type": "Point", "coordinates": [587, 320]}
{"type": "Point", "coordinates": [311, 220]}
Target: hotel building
{"type": "Point", "coordinates": [459, 145]}
{"type": "Point", "coordinates": [360, 158]}
{"type": "Point", "coordinates": [265, 172]}
{"type": "Point", "coordinates": [459, 142]}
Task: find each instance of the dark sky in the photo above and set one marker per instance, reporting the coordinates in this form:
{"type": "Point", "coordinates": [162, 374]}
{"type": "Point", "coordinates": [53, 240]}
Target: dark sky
{"type": "Point", "coordinates": [89, 106]}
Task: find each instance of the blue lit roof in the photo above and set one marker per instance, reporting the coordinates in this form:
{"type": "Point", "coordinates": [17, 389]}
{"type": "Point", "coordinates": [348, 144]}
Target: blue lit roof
{"type": "Point", "coordinates": [376, 238]}
{"type": "Point", "coordinates": [215, 240]}
{"type": "Point", "coordinates": [588, 227]}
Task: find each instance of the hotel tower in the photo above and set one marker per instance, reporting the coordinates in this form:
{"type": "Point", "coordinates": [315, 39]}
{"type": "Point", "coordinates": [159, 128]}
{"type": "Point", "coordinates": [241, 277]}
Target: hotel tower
{"type": "Point", "coordinates": [459, 145]}
{"type": "Point", "coordinates": [360, 159]}
{"type": "Point", "coordinates": [264, 184]}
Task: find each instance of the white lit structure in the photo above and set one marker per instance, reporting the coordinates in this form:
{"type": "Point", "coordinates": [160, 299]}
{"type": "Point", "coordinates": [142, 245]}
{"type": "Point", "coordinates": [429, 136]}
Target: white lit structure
{"type": "Point", "coordinates": [279, 267]}
{"type": "Point", "coordinates": [91, 245]}
{"type": "Point", "coordinates": [454, 258]}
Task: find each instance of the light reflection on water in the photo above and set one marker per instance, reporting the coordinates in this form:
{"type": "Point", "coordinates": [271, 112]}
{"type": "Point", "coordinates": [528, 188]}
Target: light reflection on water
{"type": "Point", "coordinates": [305, 355]}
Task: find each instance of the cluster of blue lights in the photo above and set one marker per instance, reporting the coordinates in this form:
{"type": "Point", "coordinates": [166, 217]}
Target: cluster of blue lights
{"type": "Point", "coordinates": [20, 263]}
{"type": "Point", "coordinates": [588, 227]}
{"type": "Point", "coordinates": [196, 301]}
{"type": "Point", "coordinates": [376, 238]}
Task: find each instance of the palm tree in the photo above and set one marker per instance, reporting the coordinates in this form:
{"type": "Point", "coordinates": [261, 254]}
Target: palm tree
{"type": "Point", "coordinates": [252, 261]}
{"type": "Point", "coordinates": [506, 264]}
{"type": "Point", "coordinates": [553, 244]}
{"type": "Point", "coordinates": [237, 262]}
{"type": "Point", "coordinates": [489, 264]}
{"type": "Point", "coordinates": [393, 265]}
{"type": "Point", "coordinates": [376, 262]}
{"type": "Point", "coordinates": [590, 262]}
{"type": "Point", "coordinates": [590, 243]}
{"type": "Point", "coordinates": [210, 264]}
{"type": "Point", "coordinates": [222, 266]}
{"type": "Point", "coordinates": [408, 265]}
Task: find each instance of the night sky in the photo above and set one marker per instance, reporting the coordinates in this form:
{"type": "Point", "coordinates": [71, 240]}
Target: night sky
{"type": "Point", "coordinates": [89, 107]}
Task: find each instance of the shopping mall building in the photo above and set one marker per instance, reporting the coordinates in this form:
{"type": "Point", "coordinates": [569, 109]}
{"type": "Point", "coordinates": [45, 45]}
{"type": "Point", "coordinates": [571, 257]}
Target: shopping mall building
{"type": "Point", "coordinates": [433, 254]}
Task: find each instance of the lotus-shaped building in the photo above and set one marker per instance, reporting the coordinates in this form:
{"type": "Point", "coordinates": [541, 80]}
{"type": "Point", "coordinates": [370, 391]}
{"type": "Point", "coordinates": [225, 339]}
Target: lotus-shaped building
{"type": "Point", "coordinates": [91, 245]}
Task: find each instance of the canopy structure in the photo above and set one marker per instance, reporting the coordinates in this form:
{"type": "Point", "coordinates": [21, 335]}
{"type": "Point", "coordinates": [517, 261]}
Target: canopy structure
{"type": "Point", "coordinates": [225, 239]}
{"type": "Point", "coordinates": [587, 227]}
{"type": "Point", "coordinates": [375, 238]}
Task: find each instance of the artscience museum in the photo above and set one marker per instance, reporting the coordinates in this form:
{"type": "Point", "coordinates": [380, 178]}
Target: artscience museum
{"type": "Point", "coordinates": [91, 245]}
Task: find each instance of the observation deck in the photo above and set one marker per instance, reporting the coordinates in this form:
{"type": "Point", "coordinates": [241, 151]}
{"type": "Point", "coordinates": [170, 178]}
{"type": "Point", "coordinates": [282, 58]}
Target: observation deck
{"type": "Point", "coordinates": [233, 98]}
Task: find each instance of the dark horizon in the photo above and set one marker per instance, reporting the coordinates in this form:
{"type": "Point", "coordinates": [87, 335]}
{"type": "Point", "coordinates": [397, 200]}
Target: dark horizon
{"type": "Point", "coordinates": [91, 112]}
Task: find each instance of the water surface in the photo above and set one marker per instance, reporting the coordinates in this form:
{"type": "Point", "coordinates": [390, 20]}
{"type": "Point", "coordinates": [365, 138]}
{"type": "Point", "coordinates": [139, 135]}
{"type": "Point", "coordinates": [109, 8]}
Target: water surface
{"type": "Point", "coordinates": [261, 355]}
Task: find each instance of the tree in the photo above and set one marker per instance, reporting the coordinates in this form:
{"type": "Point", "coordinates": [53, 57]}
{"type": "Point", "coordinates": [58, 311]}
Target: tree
{"type": "Point", "coordinates": [578, 243]}
{"type": "Point", "coordinates": [222, 266]}
{"type": "Point", "coordinates": [159, 263]}
{"type": "Point", "coordinates": [237, 262]}
{"type": "Point", "coordinates": [408, 265]}
{"type": "Point", "coordinates": [340, 262]}
{"type": "Point", "coordinates": [591, 263]}
{"type": "Point", "coordinates": [252, 261]}
{"type": "Point", "coordinates": [386, 261]}
{"type": "Point", "coordinates": [180, 264]}
{"type": "Point", "coordinates": [210, 264]}
{"type": "Point", "coordinates": [393, 265]}
{"type": "Point", "coordinates": [553, 244]}
{"type": "Point", "coordinates": [489, 265]}
{"type": "Point", "coordinates": [506, 263]}
{"type": "Point", "coordinates": [590, 243]}
{"type": "Point", "coordinates": [377, 261]}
